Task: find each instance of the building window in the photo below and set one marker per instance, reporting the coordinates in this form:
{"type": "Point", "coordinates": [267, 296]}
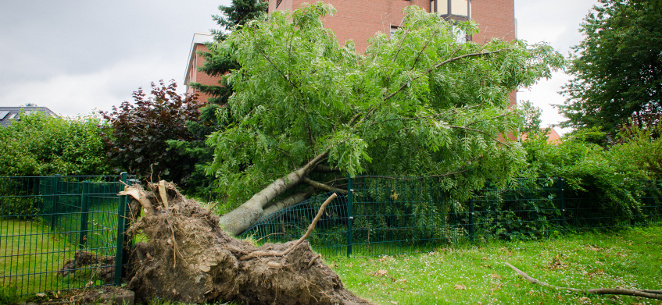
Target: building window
{"type": "Point", "coordinates": [278, 3]}
{"type": "Point", "coordinates": [451, 9]}
{"type": "Point", "coordinates": [393, 29]}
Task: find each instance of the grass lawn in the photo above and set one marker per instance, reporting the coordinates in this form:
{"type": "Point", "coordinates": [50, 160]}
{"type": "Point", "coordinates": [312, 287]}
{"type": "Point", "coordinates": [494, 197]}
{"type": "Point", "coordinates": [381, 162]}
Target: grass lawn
{"type": "Point", "coordinates": [31, 254]}
{"type": "Point", "coordinates": [476, 274]}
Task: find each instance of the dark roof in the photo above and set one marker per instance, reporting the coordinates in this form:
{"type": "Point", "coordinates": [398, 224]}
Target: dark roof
{"type": "Point", "coordinates": [8, 114]}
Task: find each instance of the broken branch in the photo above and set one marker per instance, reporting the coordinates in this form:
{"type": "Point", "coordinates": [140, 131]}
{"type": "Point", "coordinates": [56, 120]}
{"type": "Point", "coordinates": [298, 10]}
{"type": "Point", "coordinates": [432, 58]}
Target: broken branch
{"type": "Point", "coordinates": [322, 186]}
{"type": "Point", "coordinates": [311, 227]}
{"type": "Point", "coordinates": [651, 294]}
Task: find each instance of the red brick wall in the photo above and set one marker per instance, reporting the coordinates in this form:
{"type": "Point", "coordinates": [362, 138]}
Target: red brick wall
{"type": "Point", "coordinates": [195, 76]}
{"type": "Point", "coordinates": [496, 19]}
{"type": "Point", "coordinates": [361, 19]}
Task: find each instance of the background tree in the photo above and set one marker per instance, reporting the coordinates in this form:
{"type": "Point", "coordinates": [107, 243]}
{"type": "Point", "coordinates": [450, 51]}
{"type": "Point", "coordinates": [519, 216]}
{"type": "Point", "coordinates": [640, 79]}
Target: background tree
{"type": "Point", "coordinates": [138, 132]}
{"type": "Point", "coordinates": [418, 103]}
{"type": "Point", "coordinates": [39, 145]}
{"type": "Point", "coordinates": [217, 64]}
{"type": "Point", "coordinates": [530, 115]}
{"type": "Point", "coordinates": [617, 68]}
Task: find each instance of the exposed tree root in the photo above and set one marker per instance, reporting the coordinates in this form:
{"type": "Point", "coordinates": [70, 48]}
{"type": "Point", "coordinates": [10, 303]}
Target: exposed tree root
{"type": "Point", "coordinates": [188, 258]}
{"type": "Point", "coordinates": [651, 294]}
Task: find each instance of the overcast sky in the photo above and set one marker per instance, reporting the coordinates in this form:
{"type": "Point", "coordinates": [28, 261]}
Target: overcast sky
{"type": "Point", "coordinates": [81, 56]}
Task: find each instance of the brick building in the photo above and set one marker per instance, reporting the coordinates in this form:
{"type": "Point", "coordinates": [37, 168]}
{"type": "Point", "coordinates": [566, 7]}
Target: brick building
{"type": "Point", "coordinates": [360, 19]}
{"type": "Point", "coordinates": [195, 60]}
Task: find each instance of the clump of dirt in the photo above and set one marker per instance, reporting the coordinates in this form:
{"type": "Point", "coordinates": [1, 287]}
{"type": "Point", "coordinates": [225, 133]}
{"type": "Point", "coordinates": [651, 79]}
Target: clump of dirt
{"type": "Point", "coordinates": [104, 266]}
{"type": "Point", "coordinates": [188, 258]}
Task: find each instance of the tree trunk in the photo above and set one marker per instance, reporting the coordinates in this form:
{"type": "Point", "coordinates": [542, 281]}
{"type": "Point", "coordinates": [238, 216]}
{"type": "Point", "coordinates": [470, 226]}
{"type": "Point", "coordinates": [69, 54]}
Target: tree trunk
{"type": "Point", "coordinates": [283, 204]}
{"type": "Point", "coordinates": [241, 218]}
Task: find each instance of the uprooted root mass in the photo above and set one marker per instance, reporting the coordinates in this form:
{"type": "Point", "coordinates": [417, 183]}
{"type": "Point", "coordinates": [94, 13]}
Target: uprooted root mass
{"type": "Point", "coordinates": [188, 258]}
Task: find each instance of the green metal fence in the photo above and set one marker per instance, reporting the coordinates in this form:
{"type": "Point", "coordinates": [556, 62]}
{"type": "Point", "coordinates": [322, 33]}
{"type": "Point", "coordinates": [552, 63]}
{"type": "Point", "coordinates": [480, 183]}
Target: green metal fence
{"type": "Point", "coordinates": [395, 215]}
{"type": "Point", "coordinates": [61, 232]}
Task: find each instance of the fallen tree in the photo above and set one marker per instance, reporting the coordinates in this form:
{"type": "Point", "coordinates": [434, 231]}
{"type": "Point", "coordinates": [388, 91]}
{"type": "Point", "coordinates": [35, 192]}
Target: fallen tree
{"type": "Point", "coordinates": [188, 258]}
{"type": "Point", "coordinates": [306, 112]}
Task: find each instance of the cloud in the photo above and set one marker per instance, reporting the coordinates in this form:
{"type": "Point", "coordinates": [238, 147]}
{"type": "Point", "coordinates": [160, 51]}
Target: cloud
{"type": "Point", "coordinates": [545, 94]}
{"type": "Point", "coordinates": [73, 94]}
{"type": "Point", "coordinates": [557, 23]}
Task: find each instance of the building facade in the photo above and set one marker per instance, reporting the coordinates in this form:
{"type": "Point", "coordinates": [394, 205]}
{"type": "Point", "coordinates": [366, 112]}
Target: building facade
{"type": "Point", "coordinates": [359, 20]}
{"type": "Point", "coordinates": [199, 45]}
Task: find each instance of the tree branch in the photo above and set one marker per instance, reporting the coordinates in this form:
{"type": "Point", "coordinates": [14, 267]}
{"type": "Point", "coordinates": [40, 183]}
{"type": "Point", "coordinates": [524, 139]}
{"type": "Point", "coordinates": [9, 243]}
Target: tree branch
{"type": "Point", "coordinates": [283, 204]}
{"type": "Point", "coordinates": [322, 186]}
{"type": "Point", "coordinates": [447, 61]}
{"type": "Point", "coordinates": [427, 43]}
{"type": "Point", "coordinates": [311, 227]}
{"type": "Point", "coordinates": [651, 294]}
{"type": "Point", "coordinates": [325, 169]}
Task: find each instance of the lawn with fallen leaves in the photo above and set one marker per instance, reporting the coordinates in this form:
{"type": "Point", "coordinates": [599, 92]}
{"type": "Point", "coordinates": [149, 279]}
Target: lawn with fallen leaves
{"type": "Point", "coordinates": [476, 274]}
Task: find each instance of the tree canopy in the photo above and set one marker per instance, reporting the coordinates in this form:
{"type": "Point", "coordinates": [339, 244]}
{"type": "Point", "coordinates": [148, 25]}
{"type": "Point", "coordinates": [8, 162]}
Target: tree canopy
{"type": "Point", "coordinates": [417, 103]}
{"type": "Point", "coordinates": [617, 68]}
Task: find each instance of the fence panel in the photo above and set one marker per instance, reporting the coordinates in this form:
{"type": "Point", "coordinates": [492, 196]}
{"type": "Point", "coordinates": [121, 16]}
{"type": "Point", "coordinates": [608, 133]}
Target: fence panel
{"type": "Point", "coordinates": [46, 222]}
{"type": "Point", "coordinates": [329, 237]}
{"type": "Point", "coordinates": [395, 215]}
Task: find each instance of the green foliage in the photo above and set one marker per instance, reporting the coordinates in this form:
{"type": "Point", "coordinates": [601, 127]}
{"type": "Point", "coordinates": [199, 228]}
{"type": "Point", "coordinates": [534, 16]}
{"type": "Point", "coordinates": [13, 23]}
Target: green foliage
{"type": "Point", "coordinates": [609, 182]}
{"type": "Point", "coordinates": [138, 135]}
{"type": "Point", "coordinates": [20, 207]}
{"type": "Point", "coordinates": [641, 148]}
{"type": "Point", "coordinates": [9, 295]}
{"type": "Point", "coordinates": [237, 14]}
{"type": "Point", "coordinates": [41, 145]}
{"type": "Point", "coordinates": [217, 64]}
{"type": "Point", "coordinates": [527, 209]}
{"type": "Point", "coordinates": [617, 67]}
{"type": "Point", "coordinates": [418, 103]}
{"type": "Point", "coordinates": [530, 115]}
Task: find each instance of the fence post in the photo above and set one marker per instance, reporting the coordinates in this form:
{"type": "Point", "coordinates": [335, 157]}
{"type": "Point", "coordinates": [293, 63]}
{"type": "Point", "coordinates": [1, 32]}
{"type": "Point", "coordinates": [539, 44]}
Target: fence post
{"type": "Point", "coordinates": [471, 220]}
{"type": "Point", "coordinates": [84, 213]}
{"type": "Point", "coordinates": [121, 224]}
{"type": "Point", "coordinates": [350, 215]}
{"type": "Point", "coordinates": [561, 203]}
{"type": "Point", "coordinates": [55, 198]}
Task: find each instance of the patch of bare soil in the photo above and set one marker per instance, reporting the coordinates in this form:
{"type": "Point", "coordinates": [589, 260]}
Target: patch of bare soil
{"type": "Point", "coordinates": [85, 259]}
{"type": "Point", "coordinates": [188, 258]}
{"type": "Point", "coordinates": [110, 295]}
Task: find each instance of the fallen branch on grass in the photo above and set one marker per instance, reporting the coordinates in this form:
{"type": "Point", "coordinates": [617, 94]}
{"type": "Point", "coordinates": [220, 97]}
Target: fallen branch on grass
{"type": "Point", "coordinates": [651, 294]}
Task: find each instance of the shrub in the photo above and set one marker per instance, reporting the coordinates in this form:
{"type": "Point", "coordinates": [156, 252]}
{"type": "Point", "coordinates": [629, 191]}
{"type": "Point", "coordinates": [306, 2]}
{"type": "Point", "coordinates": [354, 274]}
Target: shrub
{"type": "Point", "coordinates": [42, 145]}
{"type": "Point", "coordinates": [138, 135]}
